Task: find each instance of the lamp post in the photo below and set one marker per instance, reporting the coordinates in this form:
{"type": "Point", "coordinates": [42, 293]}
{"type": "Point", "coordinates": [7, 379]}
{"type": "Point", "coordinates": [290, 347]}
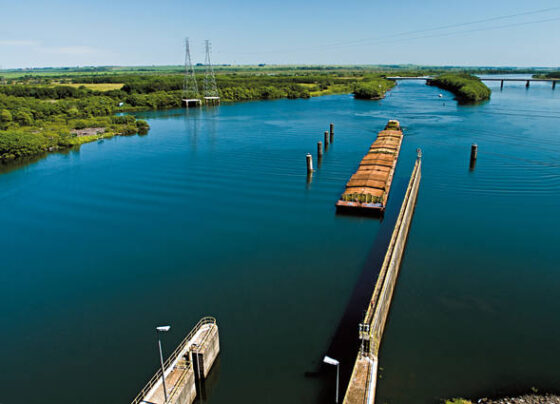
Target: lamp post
{"type": "Point", "coordinates": [160, 329]}
{"type": "Point", "coordinates": [330, 361]}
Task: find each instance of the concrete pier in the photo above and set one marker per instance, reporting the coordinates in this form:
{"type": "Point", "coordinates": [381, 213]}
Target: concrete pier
{"type": "Point", "coordinates": [191, 360]}
{"type": "Point", "coordinates": [363, 382]}
{"type": "Point", "coordinates": [204, 349]}
{"type": "Point", "coordinates": [191, 102]}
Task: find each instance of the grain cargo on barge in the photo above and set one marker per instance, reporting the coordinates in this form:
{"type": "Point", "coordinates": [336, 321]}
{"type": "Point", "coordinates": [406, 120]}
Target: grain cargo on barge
{"type": "Point", "coordinates": [368, 189]}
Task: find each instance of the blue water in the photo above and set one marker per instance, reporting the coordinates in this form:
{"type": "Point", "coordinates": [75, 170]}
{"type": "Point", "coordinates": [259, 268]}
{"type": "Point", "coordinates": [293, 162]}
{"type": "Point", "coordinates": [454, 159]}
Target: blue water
{"type": "Point", "coordinates": [212, 214]}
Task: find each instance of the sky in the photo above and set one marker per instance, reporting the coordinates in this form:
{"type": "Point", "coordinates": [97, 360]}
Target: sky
{"type": "Point", "coordinates": [38, 33]}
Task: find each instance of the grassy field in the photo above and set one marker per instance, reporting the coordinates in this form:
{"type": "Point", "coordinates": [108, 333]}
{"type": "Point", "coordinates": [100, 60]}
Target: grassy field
{"type": "Point", "coordinates": [97, 86]}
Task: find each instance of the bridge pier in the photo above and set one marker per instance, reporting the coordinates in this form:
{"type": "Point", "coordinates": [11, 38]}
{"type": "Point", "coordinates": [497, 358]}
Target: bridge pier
{"type": "Point", "coordinates": [502, 85]}
{"type": "Point", "coordinates": [527, 84]}
{"type": "Point", "coordinates": [553, 84]}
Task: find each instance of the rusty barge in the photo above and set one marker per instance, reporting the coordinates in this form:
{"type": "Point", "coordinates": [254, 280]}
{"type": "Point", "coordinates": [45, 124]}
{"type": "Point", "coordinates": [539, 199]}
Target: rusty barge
{"type": "Point", "coordinates": [368, 189]}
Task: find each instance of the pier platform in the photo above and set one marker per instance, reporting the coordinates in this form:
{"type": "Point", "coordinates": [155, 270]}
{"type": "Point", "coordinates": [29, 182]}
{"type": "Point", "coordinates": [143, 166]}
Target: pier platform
{"type": "Point", "coordinates": [190, 362]}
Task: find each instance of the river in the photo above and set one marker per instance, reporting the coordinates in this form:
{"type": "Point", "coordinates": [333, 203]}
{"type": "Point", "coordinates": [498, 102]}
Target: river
{"type": "Point", "coordinates": [212, 214]}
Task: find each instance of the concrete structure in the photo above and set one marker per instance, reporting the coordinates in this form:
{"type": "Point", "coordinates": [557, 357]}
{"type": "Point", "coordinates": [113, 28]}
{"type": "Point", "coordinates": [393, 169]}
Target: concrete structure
{"type": "Point", "coordinates": [204, 349]}
{"type": "Point", "coordinates": [363, 382]}
{"type": "Point", "coordinates": [191, 102]}
{"type": "Point", "coordinates": [501, 80]}
{"type": "Point", "coordinates": [193, 358]}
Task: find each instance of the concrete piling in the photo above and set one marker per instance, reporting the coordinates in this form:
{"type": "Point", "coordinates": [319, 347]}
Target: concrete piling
{"type": "Point", "coordinates": [319, 149]}
{"type": "Point", "coordinates": [474, 151]}
{"type": "Point", "coordinates": [309, 158]}
{"type": "Point", "coordinates": [331, 131]}
{"type": "Point", "coordinates": [474, 155]}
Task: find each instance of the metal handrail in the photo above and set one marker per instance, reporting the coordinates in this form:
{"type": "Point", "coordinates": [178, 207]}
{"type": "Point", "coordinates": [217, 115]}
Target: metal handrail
{"type": "Point", "coordinates": [155, 379]}
{"type": "Point", "coordinates": [175, 389]}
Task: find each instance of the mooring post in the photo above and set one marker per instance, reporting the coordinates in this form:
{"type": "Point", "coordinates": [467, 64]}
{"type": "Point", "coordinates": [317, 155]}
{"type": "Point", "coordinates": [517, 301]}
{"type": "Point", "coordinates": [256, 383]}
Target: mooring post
{"type": "Point", "coordinates": [309, 163]}
{"type": "Point", "coordinates": [502, 85]}
{"type": "Point", "coordinates": [527, 84]}
{"type": "Point", "coordinates": [326, 138]}
{"type": "Point", "coordinates": [474, 153]}
{"type": "Point", "coordinates": [331, 130]}
{"type": "Point", "coordinates": [319, 149]}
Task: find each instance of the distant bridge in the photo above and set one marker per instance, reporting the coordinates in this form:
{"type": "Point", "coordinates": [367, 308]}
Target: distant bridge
{"type": "Point", "coordinates": [527, 81]}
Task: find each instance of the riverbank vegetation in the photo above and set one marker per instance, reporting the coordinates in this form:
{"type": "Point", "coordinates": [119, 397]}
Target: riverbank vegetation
{"type": "Point", "coordinates": [33, 122]}
{"type": "Point", "coordinates": [41, 109]}
{"type": "Point", "coordinates": [551, 75]}
{"type": "Point", "coordinates": [45, 113]}
{"type": "Point", "coordinates": [466, 87]}
{"type": "Point", "coordinates": [372, 89]}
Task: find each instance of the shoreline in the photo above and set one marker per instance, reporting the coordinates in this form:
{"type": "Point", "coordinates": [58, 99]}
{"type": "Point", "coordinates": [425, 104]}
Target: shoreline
{"type": "Point", "coordinates": [5, 163]}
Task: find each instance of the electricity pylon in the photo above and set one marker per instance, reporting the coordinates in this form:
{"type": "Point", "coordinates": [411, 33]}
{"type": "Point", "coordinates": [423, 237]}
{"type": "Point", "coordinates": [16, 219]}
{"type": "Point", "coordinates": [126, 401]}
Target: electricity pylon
{"type": "Point", "coordinates": [210, 88]}
{"type": "Point", "coordinates": [190, 88]}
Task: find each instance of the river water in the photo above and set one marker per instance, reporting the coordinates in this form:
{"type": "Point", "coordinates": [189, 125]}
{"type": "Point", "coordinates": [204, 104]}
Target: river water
{"type": "Point", "coordinates": [212, 214]}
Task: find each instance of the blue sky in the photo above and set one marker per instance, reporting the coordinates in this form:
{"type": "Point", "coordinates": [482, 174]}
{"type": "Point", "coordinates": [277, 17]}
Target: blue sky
{"type": "Point", "coordinates": [123, 32]}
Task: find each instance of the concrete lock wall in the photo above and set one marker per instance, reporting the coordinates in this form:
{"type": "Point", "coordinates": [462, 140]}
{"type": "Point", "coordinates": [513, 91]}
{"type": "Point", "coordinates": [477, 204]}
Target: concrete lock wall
{"type": "Point", "coordinates": [188, 391]}
{"type": "Point", "coordinates": [363, 382]}
{"type": "Point", "coordinates": [204, 356]}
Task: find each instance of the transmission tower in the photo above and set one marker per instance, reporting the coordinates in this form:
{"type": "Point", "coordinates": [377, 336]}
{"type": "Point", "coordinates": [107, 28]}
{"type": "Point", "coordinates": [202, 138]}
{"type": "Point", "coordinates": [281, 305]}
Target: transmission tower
{"type": "Point", "coordinates": [190, 88]}
{"type": "Point", "coordinates": [210, 88]}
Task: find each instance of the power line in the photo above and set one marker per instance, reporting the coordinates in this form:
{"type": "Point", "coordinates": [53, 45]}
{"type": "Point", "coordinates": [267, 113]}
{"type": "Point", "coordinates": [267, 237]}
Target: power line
{"type": "Point", "coordinates": [380, 39]}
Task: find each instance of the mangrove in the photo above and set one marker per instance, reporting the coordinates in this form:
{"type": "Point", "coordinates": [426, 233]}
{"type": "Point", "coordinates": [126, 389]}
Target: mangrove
{"type": "Point", "coordinates": [467, 88]}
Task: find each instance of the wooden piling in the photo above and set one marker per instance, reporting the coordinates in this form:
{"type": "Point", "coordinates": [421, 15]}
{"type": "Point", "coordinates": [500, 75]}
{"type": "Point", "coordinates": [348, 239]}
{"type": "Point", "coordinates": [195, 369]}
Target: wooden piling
{"type": "Point", "coordinates": [331, 131]}
{"type": "Point", "coordinates": [326, 138]}
{"type": "Point", "coordinates": [309, 158]}
{"type": "Point", "coordinates": [319, 149]}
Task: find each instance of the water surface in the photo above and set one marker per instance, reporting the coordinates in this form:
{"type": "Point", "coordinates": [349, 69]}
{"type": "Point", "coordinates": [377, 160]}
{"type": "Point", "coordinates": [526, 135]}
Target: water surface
{"type": "Point", "coordinates": [211, 214]}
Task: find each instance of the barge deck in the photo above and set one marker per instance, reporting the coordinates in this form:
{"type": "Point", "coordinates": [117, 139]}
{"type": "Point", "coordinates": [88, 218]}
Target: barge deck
{"type": "Point", "coordinates": [367, 191]}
